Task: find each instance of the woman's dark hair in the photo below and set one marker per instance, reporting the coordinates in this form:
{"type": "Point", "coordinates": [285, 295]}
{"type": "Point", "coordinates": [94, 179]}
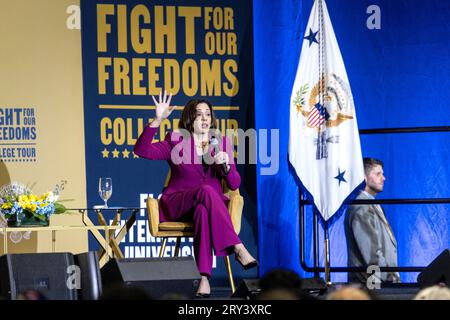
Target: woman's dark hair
{"type": "Point", "coordinates": [190, 113]}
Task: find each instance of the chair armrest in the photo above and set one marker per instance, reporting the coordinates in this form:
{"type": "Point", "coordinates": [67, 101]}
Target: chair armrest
{"type": "Point", "coordinates": [153, 215]}
{"type": "Point", "coordinates": [235, 207]}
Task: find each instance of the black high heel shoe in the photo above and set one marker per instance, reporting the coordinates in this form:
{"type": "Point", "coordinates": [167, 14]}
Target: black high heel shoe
{"type": "Point", "coordinates": [202, 295]}
{"type": "Point", "coordinates": [249, 265]}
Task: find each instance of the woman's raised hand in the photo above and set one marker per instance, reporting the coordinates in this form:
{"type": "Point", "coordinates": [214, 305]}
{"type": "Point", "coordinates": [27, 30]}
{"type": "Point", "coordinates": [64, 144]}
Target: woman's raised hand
{"type": "Point", "coordinates": [163, 108]}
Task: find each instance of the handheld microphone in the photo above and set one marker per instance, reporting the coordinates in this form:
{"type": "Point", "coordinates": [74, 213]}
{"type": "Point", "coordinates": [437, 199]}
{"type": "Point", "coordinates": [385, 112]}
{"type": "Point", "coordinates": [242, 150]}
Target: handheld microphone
{"type": "Point", "coordinates": [215, 143]}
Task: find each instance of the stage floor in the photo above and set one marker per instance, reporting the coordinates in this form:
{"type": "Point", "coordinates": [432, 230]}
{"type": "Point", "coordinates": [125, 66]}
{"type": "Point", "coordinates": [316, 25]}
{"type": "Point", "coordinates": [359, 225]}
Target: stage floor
{"type": "Point", "coordinates": [401, 291]}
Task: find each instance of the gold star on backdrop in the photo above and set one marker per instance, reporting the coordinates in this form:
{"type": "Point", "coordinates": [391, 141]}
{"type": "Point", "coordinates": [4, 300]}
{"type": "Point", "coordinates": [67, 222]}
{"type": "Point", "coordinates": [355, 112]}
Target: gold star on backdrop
{"type": "Point", "coordinates": [126, 153]}
{"type": "Point", "coordinates": [115, 153]}
{"type": "Point", "coordinates": [105, 153]}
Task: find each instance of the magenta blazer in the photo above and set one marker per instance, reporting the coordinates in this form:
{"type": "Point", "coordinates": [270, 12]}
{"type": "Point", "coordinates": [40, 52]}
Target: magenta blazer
{"type": "Point", "coordinates": [189, 173]}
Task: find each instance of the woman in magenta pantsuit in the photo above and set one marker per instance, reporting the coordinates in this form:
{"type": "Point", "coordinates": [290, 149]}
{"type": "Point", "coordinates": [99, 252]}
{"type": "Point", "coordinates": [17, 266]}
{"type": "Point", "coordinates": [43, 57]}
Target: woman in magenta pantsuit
{"type": "Point", "coordinates": [194, 190]}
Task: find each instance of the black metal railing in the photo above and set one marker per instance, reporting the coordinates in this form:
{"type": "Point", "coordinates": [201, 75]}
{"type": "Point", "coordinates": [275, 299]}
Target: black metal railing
{"type": "Point", "coordinates": [302, 203]}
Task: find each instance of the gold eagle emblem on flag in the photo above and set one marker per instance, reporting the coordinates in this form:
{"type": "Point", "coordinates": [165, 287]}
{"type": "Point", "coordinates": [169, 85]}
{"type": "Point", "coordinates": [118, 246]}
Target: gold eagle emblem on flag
{"type": "Point", "coordinates": [337, 106]}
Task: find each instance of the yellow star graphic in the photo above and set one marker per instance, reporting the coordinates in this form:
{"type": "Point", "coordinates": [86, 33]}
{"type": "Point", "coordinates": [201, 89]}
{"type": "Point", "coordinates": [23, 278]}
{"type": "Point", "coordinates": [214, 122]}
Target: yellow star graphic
{"type": "Point", "coordinates": [105, 153]}
{"type": "Point", "coordinates": [126, 153]}
{"type": "Point", "coordinates": [115, 153]}
{"type": "Point", "coordinates": [135, 156]}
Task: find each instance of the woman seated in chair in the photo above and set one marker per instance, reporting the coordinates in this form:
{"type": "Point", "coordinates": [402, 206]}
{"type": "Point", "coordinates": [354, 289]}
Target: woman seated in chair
{"type": "Point", "coordinates": [194, 191]}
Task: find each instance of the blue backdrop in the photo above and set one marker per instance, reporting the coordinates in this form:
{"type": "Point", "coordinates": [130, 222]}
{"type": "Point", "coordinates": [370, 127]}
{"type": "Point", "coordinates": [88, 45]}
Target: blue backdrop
{"type": "Point", "coordinates": [399, 75]}
{"type": "Point", "coordinates": [119, 76]}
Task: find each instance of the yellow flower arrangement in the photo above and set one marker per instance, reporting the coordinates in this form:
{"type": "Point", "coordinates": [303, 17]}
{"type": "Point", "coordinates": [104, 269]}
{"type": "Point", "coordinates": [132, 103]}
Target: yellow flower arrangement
{"type": "Point", "coordinates": [17, 201]}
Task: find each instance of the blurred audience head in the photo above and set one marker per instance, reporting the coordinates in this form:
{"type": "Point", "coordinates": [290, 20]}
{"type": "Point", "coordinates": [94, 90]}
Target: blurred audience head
{"type": "Point", "coordinates": [280, 284]}
{"type": "Point", "coordinates": [437, 292]}
{"type": "Point", "coordinates": [278, 294]}
{"type": "Point", "coordinates": [348, 293]}
{"type": "Point", "coordinates": [31, 295]}
{"type": "Point", "coordinates": [174, 296]}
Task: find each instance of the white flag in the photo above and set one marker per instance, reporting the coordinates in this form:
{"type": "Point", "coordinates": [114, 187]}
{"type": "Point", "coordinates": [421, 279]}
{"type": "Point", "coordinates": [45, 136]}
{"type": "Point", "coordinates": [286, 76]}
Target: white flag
{"type": "Point", "coordinates": [324, 146]}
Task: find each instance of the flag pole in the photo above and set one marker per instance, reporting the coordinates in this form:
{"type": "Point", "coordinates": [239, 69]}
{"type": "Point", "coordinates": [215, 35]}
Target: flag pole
{"type": "Point", "coordinates": [327, 255]}
{"type": "Point", "coordinates": [322, 141]}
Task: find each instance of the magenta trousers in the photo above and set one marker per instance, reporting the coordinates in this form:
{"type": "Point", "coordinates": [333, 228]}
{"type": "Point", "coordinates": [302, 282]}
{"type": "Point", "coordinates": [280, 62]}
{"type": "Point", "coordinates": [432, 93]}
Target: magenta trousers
{"type": "Point", "coordinates": [213, 228]}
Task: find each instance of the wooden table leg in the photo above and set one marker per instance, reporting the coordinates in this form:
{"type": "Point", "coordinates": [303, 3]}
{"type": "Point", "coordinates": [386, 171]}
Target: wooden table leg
{"type": "Point", "coordinates": [115, 241]}
{"type": "Point", "coordinates": [53, 240]}
{"type": "Point", "coordinates": [109, 244]}
{"type": "Point", "coordinates": [97, 235]}
{"type": "Point", "coordinates": [127, 226]}
{"type": "Point", "coordinates": [107, 240]}
{"type": "Point", "coordinates": [112, 243]}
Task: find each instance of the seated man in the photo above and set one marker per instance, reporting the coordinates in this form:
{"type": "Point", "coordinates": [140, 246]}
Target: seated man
{"type": "Point", "coordinates": [370, 240]}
